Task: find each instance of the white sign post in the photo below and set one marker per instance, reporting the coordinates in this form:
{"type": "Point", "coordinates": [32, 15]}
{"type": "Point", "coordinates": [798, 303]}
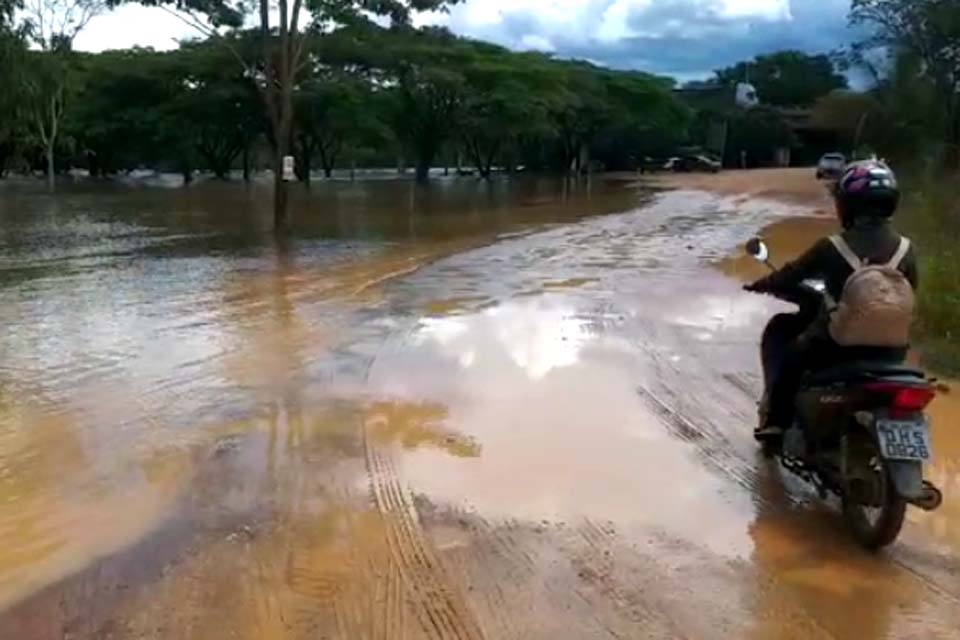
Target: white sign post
{"type": "Point", "coordinates": [289, 169]}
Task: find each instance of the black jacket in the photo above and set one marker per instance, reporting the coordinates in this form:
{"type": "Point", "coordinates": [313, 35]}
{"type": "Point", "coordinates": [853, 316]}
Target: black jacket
{"type": "Point", "coordinates": [872, 240]}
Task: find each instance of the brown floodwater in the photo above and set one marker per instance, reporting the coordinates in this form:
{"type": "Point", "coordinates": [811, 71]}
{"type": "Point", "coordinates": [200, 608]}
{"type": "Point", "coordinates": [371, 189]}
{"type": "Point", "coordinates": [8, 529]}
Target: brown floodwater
{"type": "Point", "coordinates": [472, 411]}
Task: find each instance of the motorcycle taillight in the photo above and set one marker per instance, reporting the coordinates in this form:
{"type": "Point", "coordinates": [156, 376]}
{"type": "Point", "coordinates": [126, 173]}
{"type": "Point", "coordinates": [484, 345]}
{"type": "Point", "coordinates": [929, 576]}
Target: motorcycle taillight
{"type": "Point", "coordinates": [905, 397]}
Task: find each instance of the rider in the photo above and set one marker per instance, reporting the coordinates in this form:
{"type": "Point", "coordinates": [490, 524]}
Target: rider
{"type": "Point", "coordinates": [867, 196]}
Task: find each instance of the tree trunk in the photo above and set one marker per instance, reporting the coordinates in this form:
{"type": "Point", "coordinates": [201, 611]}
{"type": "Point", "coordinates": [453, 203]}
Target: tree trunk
{"type": "Point", "coordinates": [246, 163]}
{"type": "Point", "coordinates": [51, 167]}
{"type": "Point", "coordinates": [279, 192]}
{"type": "Point", "coordinates": [423, 170]}
{"type": "Point", "coordinates": [283, 145]}
{"type": "Point", "coordinates": [953, 138]}
{"type": "Point", "coordinates": [187, 175]}
{"type": "Point", "coordinates": [305, 168]}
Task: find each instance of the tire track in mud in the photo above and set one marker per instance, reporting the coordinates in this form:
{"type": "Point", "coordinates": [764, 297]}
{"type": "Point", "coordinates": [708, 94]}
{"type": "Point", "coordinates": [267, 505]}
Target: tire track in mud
{"type": "Point", "coordinates": [543, 581]}
{"type": "Point", "coordinates": [631, 599]}
{"type": "Point", "coordinates": [441, 610]}
{"type": "Point", "coordinates": [709, 442]}
{"type": "Point", "coordinates": [648, 591]}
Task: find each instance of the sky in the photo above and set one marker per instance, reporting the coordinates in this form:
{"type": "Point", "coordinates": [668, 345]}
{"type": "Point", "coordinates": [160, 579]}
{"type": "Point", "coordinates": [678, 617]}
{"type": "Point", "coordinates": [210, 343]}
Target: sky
{"type": "Point", "coordinates": [686, 39]}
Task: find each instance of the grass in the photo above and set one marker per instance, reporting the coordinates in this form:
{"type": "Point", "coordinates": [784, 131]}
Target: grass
{"type": "Point", "coordinates": [932, 219]}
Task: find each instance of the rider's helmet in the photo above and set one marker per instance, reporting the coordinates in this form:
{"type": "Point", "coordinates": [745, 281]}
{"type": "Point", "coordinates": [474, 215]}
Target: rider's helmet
{"type": "Point", "coordinates": [868, 188]}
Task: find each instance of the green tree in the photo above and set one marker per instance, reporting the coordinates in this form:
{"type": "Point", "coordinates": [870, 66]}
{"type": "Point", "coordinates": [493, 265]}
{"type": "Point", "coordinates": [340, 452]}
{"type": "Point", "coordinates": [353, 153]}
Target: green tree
{"type": "Point", "coordinates": [283, 54]}
{"type": "Point", "coordinates": [579, 112]}
{"type": "Point", "coordinates": [13, 53]}
{"type": "Point", "coordinates": [118, 115]}
{"type": "Point", "coordinates": [927, 31]}
{"type": "Point", "coordinates": [756, 134]}
{"type": "Point", "coordinates": [216, 106]}
{"type": "Point", "coordinates": [506, 103]}
{"type": "Point", "coordinates": [52, 25]}
{"type": "Point", "coordinates": [854, 117]}
{"type": "Point", "coordinates": [644, 118]}
{"type": "Point", "coordinates": [335, 115]}
{"type": "Point", "coordinates": [786, 78]}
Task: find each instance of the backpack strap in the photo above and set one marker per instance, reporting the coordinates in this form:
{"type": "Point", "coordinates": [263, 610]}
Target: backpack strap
{"type": "Point", "coordinates": [901, 253]}
{"type": "Point", "coordinates": [848, 254]}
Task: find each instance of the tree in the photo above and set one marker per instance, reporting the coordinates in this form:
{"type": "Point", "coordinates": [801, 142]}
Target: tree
{"type": "Point", "coordinates": [334, 114]}
{"type": "Point", "coordinates": [644, 118]}
{"type": "Point", "coordinates": [52, 25]}
{"type": "Point", "coordinates": [506, 99]}
{"type": "Point", "coordinates": [786, 78]}
{"type": "Point", "coordinates": [215, 105]}
{"type": "Point", "coordinates": [579, 113]}
{"type": "Point", "coordinates": [757, 134]}
{"type": "Point", "coordinates": [13, 52]}
{"type": "Point", "coordinates": [929, 32]}
{"type": "Point", "coordinates": [282, 56]}
{"type": "Point", "coordinates": [853, 116]}
{"type": "Point", "coordinates": [117, 118]}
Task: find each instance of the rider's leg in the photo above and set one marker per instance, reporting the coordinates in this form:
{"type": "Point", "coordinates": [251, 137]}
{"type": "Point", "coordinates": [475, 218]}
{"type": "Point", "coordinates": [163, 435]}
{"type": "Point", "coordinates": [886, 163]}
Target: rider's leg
{"type": "Point", "coordinates": [781, 332]}
{"type": "Point", "coordinates": [778, 340]}
{"type": "Point", "coordinates": [807, 353]}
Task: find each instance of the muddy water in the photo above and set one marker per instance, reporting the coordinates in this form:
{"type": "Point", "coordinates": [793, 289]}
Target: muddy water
{"type": "Point", "coordinates": [395, 426]}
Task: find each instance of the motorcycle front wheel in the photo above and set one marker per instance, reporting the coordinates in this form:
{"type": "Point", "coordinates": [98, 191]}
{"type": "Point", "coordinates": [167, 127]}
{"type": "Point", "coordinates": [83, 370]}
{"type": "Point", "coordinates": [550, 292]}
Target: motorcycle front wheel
{"type": "Point", "coordinates": [872, 508]}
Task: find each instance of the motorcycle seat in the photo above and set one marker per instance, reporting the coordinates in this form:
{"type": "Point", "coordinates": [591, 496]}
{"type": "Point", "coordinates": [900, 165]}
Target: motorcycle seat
{"type": "Point", "coordinates": [863, 372]}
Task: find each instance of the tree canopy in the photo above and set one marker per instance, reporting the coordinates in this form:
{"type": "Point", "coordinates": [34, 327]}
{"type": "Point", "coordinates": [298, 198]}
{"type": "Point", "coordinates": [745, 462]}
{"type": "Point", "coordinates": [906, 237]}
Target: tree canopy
{"type": "Point", "coordinates": [923, 38]}
{"type": "Point", "coordinates": [367, 93]}
{"type": "Point", "coordinates": [786, 78]}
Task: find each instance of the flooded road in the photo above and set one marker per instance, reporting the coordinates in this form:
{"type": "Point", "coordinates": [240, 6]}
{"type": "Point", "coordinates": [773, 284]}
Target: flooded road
{"type": "Point", "coordinates": [463, 413]}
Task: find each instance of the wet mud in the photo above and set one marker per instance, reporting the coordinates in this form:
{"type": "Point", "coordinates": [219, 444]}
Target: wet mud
{"type": "Point", "coordinates": [544, 436]}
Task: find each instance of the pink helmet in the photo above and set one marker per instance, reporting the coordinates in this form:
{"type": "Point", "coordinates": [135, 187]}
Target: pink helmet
{"type": "Point", "coordinates": [867, 188]}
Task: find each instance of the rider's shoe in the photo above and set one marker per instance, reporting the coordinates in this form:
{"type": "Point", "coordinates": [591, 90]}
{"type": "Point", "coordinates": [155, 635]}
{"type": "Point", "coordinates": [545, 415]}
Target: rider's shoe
{"type": "Point", "coordinates": [768, 432]}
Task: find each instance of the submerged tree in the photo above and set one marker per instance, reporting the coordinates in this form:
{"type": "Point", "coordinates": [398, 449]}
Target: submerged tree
{"type": "Point", "coordinates": [53, 25]}
{"type": "Point", "coordinates": [13, 52]}
{"type": "Point", "coordinates": [284, 28]}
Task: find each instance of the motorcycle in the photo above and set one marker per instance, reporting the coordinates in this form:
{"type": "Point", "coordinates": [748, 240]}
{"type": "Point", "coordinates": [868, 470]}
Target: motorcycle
{"type": "Point", "coordinates": [860, 433]}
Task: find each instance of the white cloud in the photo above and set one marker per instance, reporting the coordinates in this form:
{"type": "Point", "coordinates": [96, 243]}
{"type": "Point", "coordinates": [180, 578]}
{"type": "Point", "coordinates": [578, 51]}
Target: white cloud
{"type": "Point", "coordinates": [766, 9]}
{"type": "Point", "coordinates": [134, 25]}
{"type": "Point", "coordinates": [684, 38]}
{"type": "Point", "coordinates": [535, 42]}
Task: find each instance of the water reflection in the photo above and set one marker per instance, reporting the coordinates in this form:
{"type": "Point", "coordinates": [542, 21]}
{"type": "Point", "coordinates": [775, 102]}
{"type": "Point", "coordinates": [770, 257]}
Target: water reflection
{"type": "Point", "coordinates": [539, 336]}
{"type": "Point", "coordinates": [565, 434]}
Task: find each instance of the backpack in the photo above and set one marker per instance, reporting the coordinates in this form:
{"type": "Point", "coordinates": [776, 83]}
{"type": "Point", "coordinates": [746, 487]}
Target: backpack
{"type": "Point", "coordinates": [877, 304]}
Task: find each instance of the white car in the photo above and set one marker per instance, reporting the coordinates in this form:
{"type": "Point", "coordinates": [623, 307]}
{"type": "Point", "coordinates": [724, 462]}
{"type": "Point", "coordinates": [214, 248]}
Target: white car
{"type": "Point", "coordinates": [831, 166]}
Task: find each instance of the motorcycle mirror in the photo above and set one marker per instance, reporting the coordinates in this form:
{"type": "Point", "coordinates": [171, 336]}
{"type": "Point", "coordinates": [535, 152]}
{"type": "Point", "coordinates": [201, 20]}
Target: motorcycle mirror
{"type": "Point", "coordinates": [758, 250]}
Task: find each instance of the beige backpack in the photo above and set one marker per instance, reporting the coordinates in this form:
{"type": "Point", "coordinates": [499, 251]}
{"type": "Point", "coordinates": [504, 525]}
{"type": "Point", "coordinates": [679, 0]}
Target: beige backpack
{"type": "Point", "coordinates": [876, 308]}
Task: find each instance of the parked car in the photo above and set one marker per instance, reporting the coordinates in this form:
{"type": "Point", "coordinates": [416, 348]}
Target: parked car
{"type": "Point", "coordinates": [831, 166]}
{"type": "Point", "coordinates": [688, 164]}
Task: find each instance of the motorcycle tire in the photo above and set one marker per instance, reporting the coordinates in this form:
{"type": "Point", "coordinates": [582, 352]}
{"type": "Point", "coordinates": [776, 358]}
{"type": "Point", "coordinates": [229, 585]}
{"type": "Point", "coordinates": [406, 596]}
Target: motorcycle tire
{"type": "Point", "coordinates": [892, 508]}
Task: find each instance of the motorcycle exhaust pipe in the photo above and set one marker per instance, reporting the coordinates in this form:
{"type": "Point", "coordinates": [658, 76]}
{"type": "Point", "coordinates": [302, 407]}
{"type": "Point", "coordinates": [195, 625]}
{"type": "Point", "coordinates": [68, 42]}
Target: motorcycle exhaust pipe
{"type": "Point", "coordinates": [930, 498]}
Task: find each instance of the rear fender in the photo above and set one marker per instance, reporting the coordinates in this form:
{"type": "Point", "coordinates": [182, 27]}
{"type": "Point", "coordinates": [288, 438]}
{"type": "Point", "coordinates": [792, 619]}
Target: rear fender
{"type": "Point", "coordinates": [907, 477]}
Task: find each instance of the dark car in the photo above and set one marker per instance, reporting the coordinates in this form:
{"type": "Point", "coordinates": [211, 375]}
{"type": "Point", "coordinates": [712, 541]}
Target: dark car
{"type": "Point", "coordinates": [691, 163]}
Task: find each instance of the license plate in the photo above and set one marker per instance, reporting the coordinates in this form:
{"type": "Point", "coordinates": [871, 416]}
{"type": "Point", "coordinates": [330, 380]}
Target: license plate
{"type": "Point", "coordinates": [904, 440]}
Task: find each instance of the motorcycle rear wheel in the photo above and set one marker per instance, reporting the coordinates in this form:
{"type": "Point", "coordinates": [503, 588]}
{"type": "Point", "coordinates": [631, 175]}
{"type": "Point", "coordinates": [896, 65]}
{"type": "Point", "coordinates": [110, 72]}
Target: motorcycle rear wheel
{"type": "Point", "coordinates": [877, 524]}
